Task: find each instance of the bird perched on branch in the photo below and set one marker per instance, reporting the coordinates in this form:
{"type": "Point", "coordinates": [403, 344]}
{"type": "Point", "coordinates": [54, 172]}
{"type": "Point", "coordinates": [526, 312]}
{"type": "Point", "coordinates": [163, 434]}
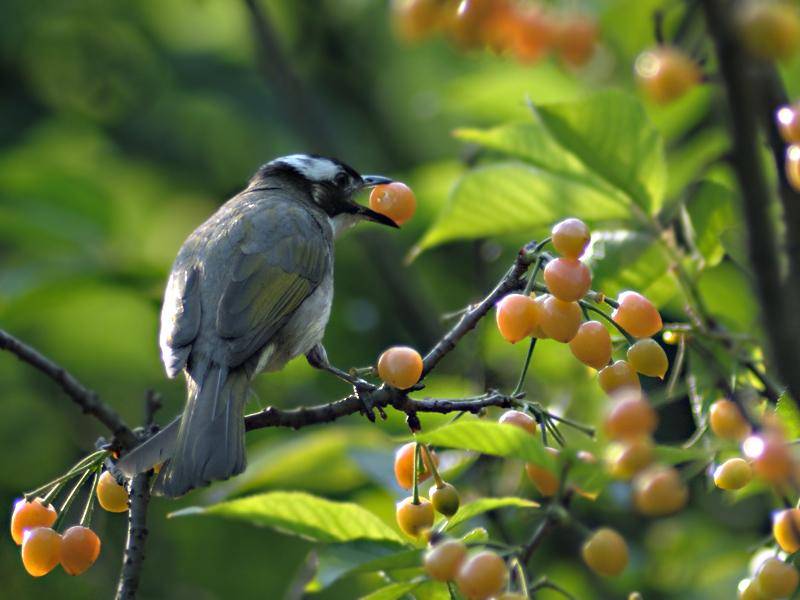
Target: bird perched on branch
{"type": "Point", "coordinates": [251, 289]}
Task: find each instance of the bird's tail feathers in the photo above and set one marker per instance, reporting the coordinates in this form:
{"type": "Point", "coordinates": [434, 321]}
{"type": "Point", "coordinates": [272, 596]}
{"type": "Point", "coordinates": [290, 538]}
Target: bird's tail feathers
{"type": "Point", "coordinates": [209, 442]}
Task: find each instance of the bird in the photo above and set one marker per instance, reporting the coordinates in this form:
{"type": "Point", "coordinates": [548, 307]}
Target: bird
{"type": "Point", "coordinates": [250, 289]}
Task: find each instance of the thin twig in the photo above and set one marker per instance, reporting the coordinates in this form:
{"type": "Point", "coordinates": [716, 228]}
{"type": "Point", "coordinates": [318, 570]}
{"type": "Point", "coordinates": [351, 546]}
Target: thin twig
{"type": "Point", "coordinates": [82, 396]}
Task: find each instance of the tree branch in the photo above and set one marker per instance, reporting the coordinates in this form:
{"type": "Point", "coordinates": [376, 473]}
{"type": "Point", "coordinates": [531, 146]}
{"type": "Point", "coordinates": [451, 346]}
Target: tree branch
{"type": "Point", "coordinates": [737, 68]}
{"type": "Point", "coordinates": [133, 557]}
{"type": "Point", "coordinates": [82, 396]}
{"type": "Point", "coordinates": [383, 396]}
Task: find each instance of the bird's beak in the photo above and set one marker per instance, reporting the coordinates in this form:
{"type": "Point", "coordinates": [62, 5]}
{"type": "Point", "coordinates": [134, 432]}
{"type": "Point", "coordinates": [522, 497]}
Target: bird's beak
{"type": "Point", "coordinates": [376, 217]}
{"type": "Point", "coordinates": [369, 214]}
{"type": "Point", "coordinates": [373, 180]}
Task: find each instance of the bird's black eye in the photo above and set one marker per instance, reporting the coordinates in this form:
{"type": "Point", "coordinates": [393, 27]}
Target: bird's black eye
{"type": "Point", "coordinates": [341, 179]}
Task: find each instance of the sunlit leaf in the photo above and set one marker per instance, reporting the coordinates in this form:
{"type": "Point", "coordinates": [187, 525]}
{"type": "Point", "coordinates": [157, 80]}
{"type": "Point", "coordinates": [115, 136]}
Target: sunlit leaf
{"type": "Point", "coordinates": [789, 415]}
{"type": "Point", "coordinates": [298, 513]}
{"type": "Point", "coordinates": [393, 591]}
{"type": "Point", "coordinates": [712, 215]}
{"type": "Point", "coordinates": [335, 561]}
{"type": "Point", "coordinates": [490, 438]}
{"type": "Point", "coordinates": [478, 507]}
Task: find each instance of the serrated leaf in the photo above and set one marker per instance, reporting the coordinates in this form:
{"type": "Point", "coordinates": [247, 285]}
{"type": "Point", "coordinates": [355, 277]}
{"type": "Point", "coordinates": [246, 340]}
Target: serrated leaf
{"type": "Point", "coordinates": [611, 134]}
{"type": "Point", "coordinates": [393, 591]}
{"type": "Point", "coordinates": [304, 515]}
{"type": "Point", "coordinates": [513, 197]}
{"type": "Point", "coordinates": [478, 507]}
{"type": "Point", "coordinates": [789, 414]}
{"type": "Point", "coordinates": [491, 438]}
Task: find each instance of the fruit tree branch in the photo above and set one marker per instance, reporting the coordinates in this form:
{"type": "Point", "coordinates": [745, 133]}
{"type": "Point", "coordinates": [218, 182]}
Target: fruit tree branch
{"type": "Point", "coordinates": [384, 396]}
{"type": "Point", "coordinates": [736, 68]}
{"type": "Point", "coordinates": [84, 397]}
{"type": "Point", "coordinates": [133, 556]}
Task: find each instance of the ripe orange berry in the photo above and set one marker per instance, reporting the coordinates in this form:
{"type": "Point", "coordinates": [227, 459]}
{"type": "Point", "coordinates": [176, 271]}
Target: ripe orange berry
{"type": "Point", "coordinates": [517, 315]}
{"type": "Point", "coordinates": [80, 547]}
{"type": "Point", "coordinates": [467, 27]}
{"type": "Point", "coordinates": [533, 33]}
{"type": "Point", "coordinates": [40, 550]}
{"type": "Point", "coordinates": [659, 491]}
{"type": "Point", "coordinates": [630, 417]}
{"type": "Point", "coordinates": [648, 358]}
{"type": "Point", "coordinates": [770, 29]}
{"type": "Point", "coordinates": [630, 457]}
{"type": "Point", "coordinates": [568, 279]}
{"type": "Point", "coordinates": [112, 496]}
{"type": "Point", "coordinates": [560, 320]}
{"type": "Point", "coordinates": [395, 200]}
{"type": "Point", "coordinates": [544, 480]}
{"type": "Point", "coordinates": [443, 561]}
{"type": "Point", "coordinates": [519, 419]}
{"type": "Point", "coordinates": [576, 39]}
{"type": "Point", "coordinates": [416, 19]}
{"type": "Point", "coordinates": [618, 377]}
{"type": "Point", "coordinates": [771, 458]}
{"type": "Point", "coordinates": [727, 421]}
{"type": "Point", "coordinates": [666, 73]}
{"type": "Point", "coordinates": [28, 515]}
{"type": "Point", "coordinates": [792, 166]}
{"type": "Point", "coordinates": [482, 576]}
{"type": "Point", "coordinates": [605, 552]}
{"type": "Point", "coordinates": [733, 474]}
{"type": "Point", "coordinates": [749, 590]}
{"type": "Point", "coordinates": [404, 466]}
{"type": "Point", "coordinates": [788, 120]}
{"type": "Point", "coordinates": [786, 529]}
{"type": "Point", "coordinates": [570, 237]}
{"type": "Point", "coordinates": [400, 367]}
{"type": "Point", "coordinates": [637, 315]}
{"type": "Point", "coordinates": [592, 344]}
{"type": "Point", "coordinates": [414, 519]}
{"type": "Point", "coordinates": [777, 579]}
{"type": "Point", "coordinates": [445, 499]}
{"type": "Point", "coordinates": [538, 331]}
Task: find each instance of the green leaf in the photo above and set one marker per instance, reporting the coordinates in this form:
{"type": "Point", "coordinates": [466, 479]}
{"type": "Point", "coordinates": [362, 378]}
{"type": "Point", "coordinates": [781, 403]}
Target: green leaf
{"type": "Point", "coordinates": [513, 197]}
{"type": "Point", "coordinates": [689, 161]}
{"type": "Point", "coordinates": [335, 561]}
{"type": "Point", "coordinates": [624, 259]}
{"type": "Point", "coordinates": [473, 509]}
{"type": "Point", "coordinates": [490, 438]}
{"type": "Point", "coordinates": [789, 414]}
{"type": "Point", "coordinates": [302, 514]}
{"type": "Point", "coordinates": [712, 215]}
{"type": "Point", "coordinates": [610, 133]}
{"type": "Point", "coordinates": [393, 591]}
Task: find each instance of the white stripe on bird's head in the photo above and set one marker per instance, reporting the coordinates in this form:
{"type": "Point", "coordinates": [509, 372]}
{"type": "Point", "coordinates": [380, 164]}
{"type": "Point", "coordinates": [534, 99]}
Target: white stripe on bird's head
{"type": "Point", "coordinates": [313, 168]}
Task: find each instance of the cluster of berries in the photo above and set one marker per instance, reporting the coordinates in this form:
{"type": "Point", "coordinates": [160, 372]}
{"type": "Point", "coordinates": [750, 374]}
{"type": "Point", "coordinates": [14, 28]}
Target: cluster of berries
{"type": "Point", "coordinates": [33, 526]}
{"type": "Point", "coordinates": [413, 464]}
{"type": "Point", "coordinates": [527, 31]}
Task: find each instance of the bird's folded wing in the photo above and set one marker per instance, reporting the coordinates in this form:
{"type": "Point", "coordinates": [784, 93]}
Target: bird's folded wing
{"type": "Point", "coordinates": [281, 259]}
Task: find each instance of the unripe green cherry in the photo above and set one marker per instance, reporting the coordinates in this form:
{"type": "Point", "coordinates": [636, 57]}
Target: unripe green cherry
{"type": "Point", "coordinates": [445, 499]}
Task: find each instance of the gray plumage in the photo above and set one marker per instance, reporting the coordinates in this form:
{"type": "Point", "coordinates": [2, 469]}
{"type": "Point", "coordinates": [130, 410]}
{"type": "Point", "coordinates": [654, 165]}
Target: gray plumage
{"type": "Point", "coordinates": [250, 289]}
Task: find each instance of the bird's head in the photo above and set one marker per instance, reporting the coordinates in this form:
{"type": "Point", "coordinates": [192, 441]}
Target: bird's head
{"type": "Point", "coordinates": [329, 183]}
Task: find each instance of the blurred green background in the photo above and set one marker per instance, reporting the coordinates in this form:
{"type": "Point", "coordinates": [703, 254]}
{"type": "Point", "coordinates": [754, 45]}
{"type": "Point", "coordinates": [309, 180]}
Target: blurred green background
{"type": "Point", "coordinates": [123, 126]}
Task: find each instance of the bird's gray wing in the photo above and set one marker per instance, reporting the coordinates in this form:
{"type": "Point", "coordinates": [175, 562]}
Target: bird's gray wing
{"type": "Point", "coordinates": [180, 316]}
{"type": "Point", "coordinates": [281, 258]}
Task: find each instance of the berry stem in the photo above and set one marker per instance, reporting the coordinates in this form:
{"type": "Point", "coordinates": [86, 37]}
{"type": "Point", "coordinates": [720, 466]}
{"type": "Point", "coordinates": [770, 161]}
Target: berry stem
{"type": "Point", "coordinates": [532, 279]}
{"type": "Point", "coordinates": [522, 579]}
{"type": "Point", "coordinates": [86, 517]}
{"type": "Point", "coordinates": [83, 464]}
{"type": "Point", "coordinates": [416, 473]}
{"type": "Point", "coordinates": [630, 339]}
{"type": "Point", "coordinates": [574, 424]}
{"type": "Point", "coordinates": [525, 366]}
{"type": "Point", "coordinates": [65, 505]}
{"type": "Point", "coordinates": [436, 477]}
